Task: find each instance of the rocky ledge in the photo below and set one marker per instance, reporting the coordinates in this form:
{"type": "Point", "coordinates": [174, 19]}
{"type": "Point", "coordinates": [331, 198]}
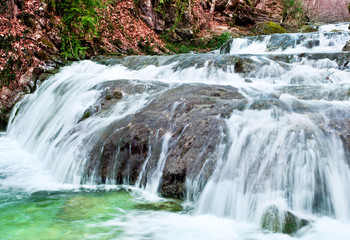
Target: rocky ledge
{"type": "Point", "coordinates": [192, 115]}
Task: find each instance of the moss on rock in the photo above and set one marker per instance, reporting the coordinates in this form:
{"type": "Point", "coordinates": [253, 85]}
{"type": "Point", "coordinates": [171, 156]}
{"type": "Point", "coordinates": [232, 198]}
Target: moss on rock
{"type": "Point", "coordinates": [267, 28]}
{"type": "Point", "coordinates": [286, 222]}
{"type": "Point", "coordinates": [171, 206]}
{"type": "Point", "coordinates": [307, 29]}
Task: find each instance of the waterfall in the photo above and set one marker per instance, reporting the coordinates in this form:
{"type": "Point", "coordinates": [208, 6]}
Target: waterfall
{"type": "Point", "coordinates": [283, 143]}
{"type": "Point", "coordinates": [272, 157]}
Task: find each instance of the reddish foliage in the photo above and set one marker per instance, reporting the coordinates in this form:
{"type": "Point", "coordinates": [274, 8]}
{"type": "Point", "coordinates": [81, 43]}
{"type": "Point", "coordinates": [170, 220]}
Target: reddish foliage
{"type": "Point", "coordinates": [124, 30]}
{"type": "Point", "coordinates": [33, 34]}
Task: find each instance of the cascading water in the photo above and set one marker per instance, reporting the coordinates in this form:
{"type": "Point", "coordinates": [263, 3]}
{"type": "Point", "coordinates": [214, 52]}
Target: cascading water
{"type": "Point", "coordinates": [282, 156]}
{"type": "Point", "coordinates": [284, 146]}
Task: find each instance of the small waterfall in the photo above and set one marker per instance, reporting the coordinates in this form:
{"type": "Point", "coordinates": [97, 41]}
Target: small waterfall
{"type": "Point", "coordinates": [155, 178]}
{"type": "Point", "coordinates": [275, 156]}
{"type": "Point", "coordinates": [60, 138]}
{"type": "Point", "coordinates": [329, 38]}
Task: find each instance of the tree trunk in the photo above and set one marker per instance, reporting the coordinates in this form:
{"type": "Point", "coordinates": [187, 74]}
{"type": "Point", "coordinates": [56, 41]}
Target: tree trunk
{"type": "Point", "coordinates": [210, 14]}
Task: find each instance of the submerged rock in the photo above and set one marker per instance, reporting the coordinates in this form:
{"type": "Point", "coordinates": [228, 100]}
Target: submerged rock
{"type": "Point", "coordinates": [77, 208]}
{"type": "Point", "coordinates": [312, 43]}
{"type": "Point", "coordinates": [160, 206]}
{"type": "Point", "coordinates": [275, 220]}
{"type": "Point", "coordinates": [280, 42]}
{"type": "Point", "coordinates": [245, 66]}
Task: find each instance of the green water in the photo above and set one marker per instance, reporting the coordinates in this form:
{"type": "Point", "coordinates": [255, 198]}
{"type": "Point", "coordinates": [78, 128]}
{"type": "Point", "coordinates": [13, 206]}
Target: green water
{"type": "Point", "coordinates": [71, 214]}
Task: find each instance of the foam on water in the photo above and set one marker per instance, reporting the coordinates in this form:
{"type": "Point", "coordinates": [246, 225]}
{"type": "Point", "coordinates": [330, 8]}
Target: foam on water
{"type": "Point", "coordinates": [172, 226]}
{"type": "Point", "coordinates": [329, 38]}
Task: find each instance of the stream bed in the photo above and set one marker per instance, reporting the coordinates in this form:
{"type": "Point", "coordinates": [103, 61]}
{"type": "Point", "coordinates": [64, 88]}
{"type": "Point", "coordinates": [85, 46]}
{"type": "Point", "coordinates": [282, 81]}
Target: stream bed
{"type": "Point", "coordinates": [230, 144]}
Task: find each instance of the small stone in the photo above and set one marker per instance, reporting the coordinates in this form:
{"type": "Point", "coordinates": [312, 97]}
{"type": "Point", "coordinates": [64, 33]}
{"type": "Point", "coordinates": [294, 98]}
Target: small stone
{"type": "Point", "coordinates": [311, 43]}
{"type": "Point", "coordinates": [117, 95]}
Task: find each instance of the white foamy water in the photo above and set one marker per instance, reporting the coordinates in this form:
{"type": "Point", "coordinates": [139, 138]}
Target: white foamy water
{"type": "Point", "coordinates": [329, 38]}
{"type": "Point", "coordinates": [172, 226]}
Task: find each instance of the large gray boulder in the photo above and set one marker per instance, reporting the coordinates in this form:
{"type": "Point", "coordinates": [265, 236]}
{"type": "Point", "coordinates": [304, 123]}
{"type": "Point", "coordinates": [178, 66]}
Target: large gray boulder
{"type": "Point", "coordinates": [193, 115]}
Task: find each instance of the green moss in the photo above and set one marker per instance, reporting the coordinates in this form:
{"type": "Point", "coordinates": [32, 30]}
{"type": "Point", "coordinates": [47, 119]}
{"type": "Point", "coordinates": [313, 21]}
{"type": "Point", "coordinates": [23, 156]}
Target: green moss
{"type": "Point", "coordinates": [47, 43]}
{"type": "Point", "coordinates": [291, 225]}
{"type": "Point", "coordinates": [79, 20]}
{"type": "Point", "coordinates": [86, 115]}
{"type": "Point", "coordinates": [117, 95]}
{"type": "Point", "coordinates": [267, 28]}
{"type": "Point", "coordinates": [198, 45]}
{"type": "Point", "coordinates": [284, 222]}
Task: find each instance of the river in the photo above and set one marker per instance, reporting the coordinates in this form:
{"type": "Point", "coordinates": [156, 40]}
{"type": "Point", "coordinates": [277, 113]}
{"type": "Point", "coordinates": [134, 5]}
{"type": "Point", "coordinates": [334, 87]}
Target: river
{"type": "Point", "coordinates": [285, 146]}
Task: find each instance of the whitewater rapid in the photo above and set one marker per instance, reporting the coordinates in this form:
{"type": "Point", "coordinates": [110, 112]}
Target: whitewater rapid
{"type": "Point", "coordinates": [282, 149]}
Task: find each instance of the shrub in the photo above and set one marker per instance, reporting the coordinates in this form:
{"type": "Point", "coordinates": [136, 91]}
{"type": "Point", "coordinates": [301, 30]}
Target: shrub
{"type": "Point", "coordinates": [79, 20]}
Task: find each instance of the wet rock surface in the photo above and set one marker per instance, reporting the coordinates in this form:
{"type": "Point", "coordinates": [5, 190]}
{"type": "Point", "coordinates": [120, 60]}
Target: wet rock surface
{"type": "Point", "coordinates": [267, 28]}
{"type": "Point", "coordinates": [171, 206]}
{"type": "Point", "coordinates": [192, 114]}
{"type": "Point", "coordinates": [346, 48]}
{"type": "Point", "coordinates": [280, 42]}
{"type": "Point", "coordinates": [275, 220]}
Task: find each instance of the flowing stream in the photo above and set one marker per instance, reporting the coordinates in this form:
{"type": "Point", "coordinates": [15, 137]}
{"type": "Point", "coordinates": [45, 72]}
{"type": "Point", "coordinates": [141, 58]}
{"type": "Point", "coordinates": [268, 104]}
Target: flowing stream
{"type": "Point", "coordinates": [286, 148]}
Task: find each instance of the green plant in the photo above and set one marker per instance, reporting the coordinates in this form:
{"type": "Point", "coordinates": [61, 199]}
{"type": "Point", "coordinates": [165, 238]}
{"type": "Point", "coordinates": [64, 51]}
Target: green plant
{"type": "Point", "coordinates": [216, 42]}
{"type": "Point", "coordinates": [181, 7]}
{"type": "Point", "coordinates": [292, 9]}
{"type": "Point", "coordinates": [146, 47]}
{"type": "Point", "coordinates": [79, 20]}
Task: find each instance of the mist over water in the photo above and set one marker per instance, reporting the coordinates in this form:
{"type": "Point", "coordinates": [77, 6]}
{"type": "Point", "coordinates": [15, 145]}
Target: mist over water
{"type": "Point", "coordinates": [285, 148]}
